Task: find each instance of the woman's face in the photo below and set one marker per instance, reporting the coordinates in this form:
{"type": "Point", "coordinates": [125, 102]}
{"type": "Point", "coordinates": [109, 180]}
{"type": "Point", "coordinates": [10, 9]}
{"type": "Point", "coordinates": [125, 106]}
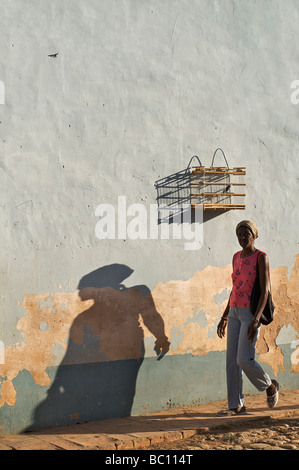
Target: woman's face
{"type": "Point", "coordinates": [245, 237]}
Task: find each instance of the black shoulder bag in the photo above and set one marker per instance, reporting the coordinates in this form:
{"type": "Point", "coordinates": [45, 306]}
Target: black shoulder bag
{"type": "Point", "coordinates": [268, 312]}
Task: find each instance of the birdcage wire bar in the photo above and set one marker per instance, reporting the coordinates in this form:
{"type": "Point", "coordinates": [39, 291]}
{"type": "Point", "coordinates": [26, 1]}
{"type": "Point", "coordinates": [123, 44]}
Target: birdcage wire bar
{"type": "Point", "coordinates": [218, 188]}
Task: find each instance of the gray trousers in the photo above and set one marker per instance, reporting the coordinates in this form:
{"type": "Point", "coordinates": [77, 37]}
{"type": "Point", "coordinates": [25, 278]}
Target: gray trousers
{"type": "Point", "coordinates": [240, 357]}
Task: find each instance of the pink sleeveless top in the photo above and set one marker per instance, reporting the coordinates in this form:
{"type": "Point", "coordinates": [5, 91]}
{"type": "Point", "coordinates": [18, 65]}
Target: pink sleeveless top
{"type": "Point", "coordinates": [243, 276]}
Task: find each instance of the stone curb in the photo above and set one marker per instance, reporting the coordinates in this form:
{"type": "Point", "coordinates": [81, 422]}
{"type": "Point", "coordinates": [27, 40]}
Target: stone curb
{"type": "Point", "coordinates": [136, 432]}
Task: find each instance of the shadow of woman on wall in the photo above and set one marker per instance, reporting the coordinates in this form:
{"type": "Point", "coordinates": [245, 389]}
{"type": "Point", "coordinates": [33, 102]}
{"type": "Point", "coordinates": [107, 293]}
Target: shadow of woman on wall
{"type": "Point", "coordinates": [97, 376]}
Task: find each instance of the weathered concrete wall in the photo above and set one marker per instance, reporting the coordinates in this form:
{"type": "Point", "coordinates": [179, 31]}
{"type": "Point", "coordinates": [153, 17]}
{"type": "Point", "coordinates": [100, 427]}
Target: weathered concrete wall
{"type": "Point", "coordinates": [136, 90]}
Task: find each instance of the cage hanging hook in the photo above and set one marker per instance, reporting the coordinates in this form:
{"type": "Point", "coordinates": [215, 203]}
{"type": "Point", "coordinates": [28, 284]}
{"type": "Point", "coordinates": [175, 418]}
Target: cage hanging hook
{"type": "Point", "coordinates": [223, 157]}
{"type": "Point", "coordinates": [194, 156]}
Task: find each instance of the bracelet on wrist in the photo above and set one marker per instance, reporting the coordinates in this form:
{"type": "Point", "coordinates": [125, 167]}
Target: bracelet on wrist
{"type": "Point", "coordinates": [224, 318]}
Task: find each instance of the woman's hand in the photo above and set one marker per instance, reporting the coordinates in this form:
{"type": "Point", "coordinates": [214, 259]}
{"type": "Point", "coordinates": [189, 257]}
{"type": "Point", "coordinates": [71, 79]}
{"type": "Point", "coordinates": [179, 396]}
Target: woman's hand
{"type": "Point", "coordinates": [252, 329]}
{"type": "Point", "coordinates": [221, 327]}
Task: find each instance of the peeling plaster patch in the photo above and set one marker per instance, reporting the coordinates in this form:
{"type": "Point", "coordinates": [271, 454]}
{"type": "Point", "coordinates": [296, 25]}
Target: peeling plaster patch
{"type": "Point", "coordinates": [190, 306]}
{"type": "Point", "coordinates": [92, 325]}
{"type": "Point", "coordinates": [286, 298]}
{"type": "Point", "coordinates": [176, 338]}
{"type": "Point", "coordinates": [198, 316]}
{"type": "Point", "coordinates": [221, 297]}
{"type": "Point", "coordinates": [8, 394]}
{"type": "Point", "coordinates": [2, 352]}
{"type": "Point", "coordinates": [149, 345]}
{"type": "Point", "coordinates": [57, 354]}
{"type": "Point", "coordinates": [46, 302]}
{"type": "Point", "coordinates": [212, 332]}
{"type": "Point", "coordinates": [207, 288]}
{"type": "Point", "coordinates": [35, 352]}
{"type": "Point", "coordinates": [286, 335]}
{"type": "Point", "coordinates": [43, 326]}
{"type": "Point", "coordinates": [295, 356]}
{"type": "Point", "coordinates": [104, 324]}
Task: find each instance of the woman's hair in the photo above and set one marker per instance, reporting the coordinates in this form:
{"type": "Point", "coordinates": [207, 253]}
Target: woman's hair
{"type": "Point", "coordinates": [249, 224]}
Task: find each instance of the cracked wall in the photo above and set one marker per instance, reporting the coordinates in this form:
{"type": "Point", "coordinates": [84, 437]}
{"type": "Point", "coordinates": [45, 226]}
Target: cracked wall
{"type": "Point", "coordinates": [102, 325]}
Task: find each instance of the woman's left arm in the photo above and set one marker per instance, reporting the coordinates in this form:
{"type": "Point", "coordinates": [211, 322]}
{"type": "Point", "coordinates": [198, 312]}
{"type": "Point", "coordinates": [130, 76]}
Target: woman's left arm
{"type": "Point", "coordinates": [263, 267]}
{"type": "Point", "coordinates": [264, 285]}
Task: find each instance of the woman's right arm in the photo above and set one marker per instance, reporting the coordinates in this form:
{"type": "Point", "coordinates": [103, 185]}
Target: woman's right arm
{"type": "Point", "coordinates": [223, 321]}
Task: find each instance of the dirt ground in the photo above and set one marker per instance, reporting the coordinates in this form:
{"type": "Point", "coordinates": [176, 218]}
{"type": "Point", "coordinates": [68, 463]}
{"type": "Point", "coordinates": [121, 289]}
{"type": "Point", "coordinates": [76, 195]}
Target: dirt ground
{"type": "Point", "coordinates": [267, 434]}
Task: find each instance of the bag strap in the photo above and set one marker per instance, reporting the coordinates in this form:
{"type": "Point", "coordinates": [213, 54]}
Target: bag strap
{"type": "Point", "coordinates": [257, 268]}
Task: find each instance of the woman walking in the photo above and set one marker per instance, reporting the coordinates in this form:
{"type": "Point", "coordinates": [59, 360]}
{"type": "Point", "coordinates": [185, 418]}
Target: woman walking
{"type": "Point", "coordinates": [242, 325]}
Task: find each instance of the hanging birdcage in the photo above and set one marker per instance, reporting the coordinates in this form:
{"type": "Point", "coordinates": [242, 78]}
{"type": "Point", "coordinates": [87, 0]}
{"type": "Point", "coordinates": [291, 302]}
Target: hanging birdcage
{"type": "Point", "coordinates": [218, 188]}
